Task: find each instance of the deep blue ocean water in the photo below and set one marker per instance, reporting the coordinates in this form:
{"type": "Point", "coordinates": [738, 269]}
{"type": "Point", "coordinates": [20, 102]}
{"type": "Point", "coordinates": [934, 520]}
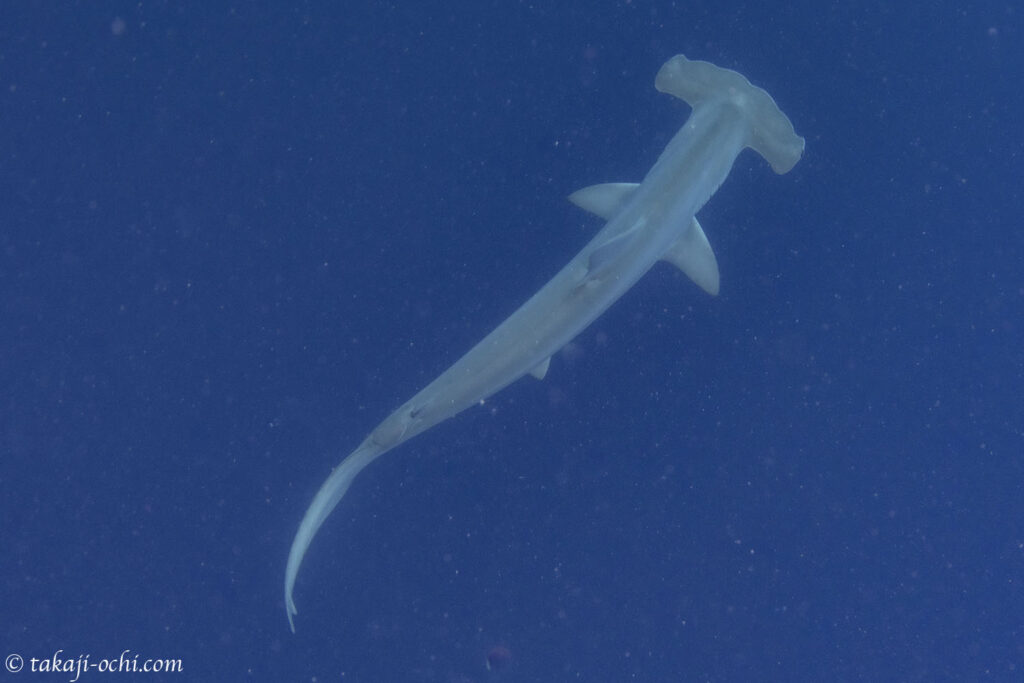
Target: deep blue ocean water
{"type": "Point", "coordinates": [234, 237]}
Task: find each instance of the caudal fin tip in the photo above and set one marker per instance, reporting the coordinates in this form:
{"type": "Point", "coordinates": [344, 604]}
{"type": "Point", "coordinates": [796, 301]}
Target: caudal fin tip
{"type": "Point", "coordinates": [290, 610]}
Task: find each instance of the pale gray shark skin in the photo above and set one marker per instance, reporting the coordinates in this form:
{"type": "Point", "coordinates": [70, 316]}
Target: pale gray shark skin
{"type": "Point", "coordinates": [646, 222]}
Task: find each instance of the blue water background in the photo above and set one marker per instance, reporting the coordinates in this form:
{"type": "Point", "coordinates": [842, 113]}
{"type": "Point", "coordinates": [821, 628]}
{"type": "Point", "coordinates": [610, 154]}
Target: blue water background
{"type": "Point", "coordinates": [234, 237]}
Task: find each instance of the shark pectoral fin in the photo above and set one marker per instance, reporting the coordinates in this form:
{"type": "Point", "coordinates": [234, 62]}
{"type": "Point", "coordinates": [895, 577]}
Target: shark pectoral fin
{"type": "Point", "coordinates": [603, 200]}
{"type": "Point", "coordinates": [692, 254]}
{"type": "Point", "coordinates": [542, 368]}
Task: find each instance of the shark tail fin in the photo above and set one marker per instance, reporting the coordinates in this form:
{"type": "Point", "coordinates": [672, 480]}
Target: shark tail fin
{"type": "Point", "coordinates": [326, 498]}
{"type": "Point", "coordinates": [771, 133]}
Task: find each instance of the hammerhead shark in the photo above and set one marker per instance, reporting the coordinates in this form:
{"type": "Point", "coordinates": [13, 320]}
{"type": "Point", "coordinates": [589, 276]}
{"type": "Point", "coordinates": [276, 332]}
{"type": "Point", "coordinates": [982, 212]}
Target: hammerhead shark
{"type": "Point", "coordinates": [646, 222]}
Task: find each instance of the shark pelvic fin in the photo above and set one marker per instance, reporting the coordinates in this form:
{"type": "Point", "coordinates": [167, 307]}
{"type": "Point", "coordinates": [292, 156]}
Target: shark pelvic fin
{"type": "Point", "coordinates": [542, 369]}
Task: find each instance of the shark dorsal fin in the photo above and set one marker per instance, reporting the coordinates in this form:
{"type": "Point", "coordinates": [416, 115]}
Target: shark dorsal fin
{"type": "Point", "coordinates": [691, 253]}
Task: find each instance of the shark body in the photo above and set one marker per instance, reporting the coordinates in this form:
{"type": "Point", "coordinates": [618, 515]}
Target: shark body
{"type": "Point", "coordinates": [646, 222]}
